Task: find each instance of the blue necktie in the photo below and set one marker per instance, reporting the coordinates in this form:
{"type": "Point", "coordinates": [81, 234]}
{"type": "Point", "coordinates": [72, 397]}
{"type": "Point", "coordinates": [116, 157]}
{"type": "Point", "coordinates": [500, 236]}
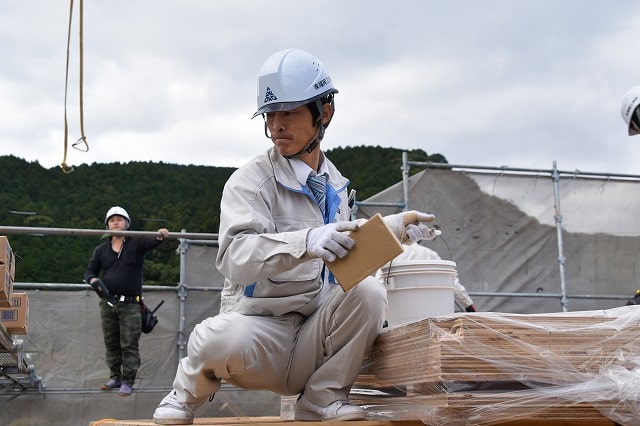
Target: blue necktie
{"type": "Point", "coordinates": [317, 184]}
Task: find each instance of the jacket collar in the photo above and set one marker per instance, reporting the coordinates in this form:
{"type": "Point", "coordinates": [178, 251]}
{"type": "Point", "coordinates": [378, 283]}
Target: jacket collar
{"type": "Point", "coordinates": [286, 174]}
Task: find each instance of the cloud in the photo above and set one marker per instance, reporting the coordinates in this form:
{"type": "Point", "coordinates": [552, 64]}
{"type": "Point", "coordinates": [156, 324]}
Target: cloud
{"type": "Point", "coordinates": [483, 83]}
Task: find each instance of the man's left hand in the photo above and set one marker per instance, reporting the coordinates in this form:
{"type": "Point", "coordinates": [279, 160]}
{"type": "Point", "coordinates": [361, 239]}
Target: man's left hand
{"type": "Point", "coordinates": [410, 226]}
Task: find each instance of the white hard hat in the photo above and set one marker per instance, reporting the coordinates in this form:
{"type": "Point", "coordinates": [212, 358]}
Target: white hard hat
{"type": "Point", "coordinates": [119, 211]}
{"type": "Point", "coordinates": [630, 104]}
{"type": "Point", "coordinates": [289, 79]}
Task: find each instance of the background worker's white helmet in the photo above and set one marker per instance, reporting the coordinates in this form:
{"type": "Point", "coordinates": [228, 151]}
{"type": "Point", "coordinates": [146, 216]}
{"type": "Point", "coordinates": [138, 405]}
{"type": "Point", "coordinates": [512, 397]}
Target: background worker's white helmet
{"type": "Point", "coordinates": [289, 79]}
{"type": "Point", "coordinates": [117, 210]}
{"type": "Point", "coordinates": [629, 107]}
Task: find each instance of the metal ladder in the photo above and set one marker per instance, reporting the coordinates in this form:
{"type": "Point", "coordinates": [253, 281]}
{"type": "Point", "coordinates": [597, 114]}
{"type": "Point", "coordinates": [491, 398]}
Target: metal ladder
{"type": "Point", "coordinates": [17, 373]}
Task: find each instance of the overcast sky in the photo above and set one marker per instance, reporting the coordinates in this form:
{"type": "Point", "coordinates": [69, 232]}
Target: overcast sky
{"type": "Point", "coordinates": [488, 83]}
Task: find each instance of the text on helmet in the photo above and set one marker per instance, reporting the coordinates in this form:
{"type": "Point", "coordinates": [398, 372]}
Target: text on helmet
{"type": "Point", "coordinates": [320, 84]}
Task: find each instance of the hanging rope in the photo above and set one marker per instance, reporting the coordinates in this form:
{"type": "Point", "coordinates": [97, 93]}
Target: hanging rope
{"type": "Point", "coordinates": [81, 144]}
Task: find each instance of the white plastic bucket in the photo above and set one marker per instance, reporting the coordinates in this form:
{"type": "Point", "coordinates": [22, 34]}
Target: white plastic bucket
{"type": "Point", "coordinates": [418, 289]}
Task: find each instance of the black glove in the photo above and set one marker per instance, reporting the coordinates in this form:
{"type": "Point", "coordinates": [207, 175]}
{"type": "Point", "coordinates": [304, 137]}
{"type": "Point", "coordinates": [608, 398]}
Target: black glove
{"type": "Point", "coordinates": [99, 287]}
{"type": "Point", "coordinates": [470, 308]}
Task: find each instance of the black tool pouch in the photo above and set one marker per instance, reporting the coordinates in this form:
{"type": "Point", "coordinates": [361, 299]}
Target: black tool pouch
{"type": "Point", "coordinates": [149, 320]}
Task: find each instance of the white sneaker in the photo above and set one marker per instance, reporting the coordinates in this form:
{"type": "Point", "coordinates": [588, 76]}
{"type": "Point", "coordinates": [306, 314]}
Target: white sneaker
{"type": "Point", "coordinates": [172, 412]}
{"type": "Point", "coordinates": [338, 411]}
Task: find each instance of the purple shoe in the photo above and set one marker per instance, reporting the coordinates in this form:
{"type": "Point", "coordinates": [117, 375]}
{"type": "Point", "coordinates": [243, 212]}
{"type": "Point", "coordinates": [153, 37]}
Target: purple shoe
{"type": "Point", "coordinates": [125, 390]}
{"type": "Point", "coordinates": [111, 384]}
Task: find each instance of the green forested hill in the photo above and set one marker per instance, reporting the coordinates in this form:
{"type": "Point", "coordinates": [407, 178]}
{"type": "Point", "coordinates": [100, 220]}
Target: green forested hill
{"type": "Point", "coordinates": [372, 169]}
{"type": "Point", "coordinates": [155, 195]}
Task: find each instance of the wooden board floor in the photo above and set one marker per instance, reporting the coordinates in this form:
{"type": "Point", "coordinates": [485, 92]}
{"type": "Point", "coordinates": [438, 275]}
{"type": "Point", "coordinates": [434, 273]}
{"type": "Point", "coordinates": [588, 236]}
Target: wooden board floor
{"type": "Point", "coordinates": [277, 421]}
{"type": "Point", "coordinates": [269, 421]}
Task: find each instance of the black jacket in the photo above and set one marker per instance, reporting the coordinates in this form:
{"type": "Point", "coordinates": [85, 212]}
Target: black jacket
{"type": "Point", "coordinates": [121, 272]}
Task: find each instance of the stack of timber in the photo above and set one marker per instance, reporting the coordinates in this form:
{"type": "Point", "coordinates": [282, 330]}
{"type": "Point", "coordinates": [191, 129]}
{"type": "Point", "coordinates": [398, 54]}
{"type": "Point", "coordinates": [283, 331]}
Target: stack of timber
{"type": "Point", "coordinates": [491, 368]}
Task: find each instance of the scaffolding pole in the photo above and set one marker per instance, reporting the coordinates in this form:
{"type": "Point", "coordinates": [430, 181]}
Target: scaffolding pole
{"type": "Point", "coordinates": [71, 232]}
{"type": "Point", "coordinates": [558, 219]}
{"type": "Point", "coordinates": [405, 180]}
{"type": "Point", "coordinates": [182, 298]}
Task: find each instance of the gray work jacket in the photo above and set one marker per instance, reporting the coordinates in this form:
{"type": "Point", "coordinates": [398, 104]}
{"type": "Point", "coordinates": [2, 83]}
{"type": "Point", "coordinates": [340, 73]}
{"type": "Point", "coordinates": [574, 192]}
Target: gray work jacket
{"type": "Point", "coordinates": [265, 216]}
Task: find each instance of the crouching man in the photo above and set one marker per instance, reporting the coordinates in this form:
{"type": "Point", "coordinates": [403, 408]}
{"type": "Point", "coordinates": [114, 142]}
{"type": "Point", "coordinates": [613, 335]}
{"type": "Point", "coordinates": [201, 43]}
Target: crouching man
{"type": "Point", "coordinates": [285, 325]}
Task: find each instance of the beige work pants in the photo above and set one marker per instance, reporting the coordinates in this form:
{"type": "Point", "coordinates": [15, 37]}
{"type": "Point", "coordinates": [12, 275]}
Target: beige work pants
{"type": "Point", "coordinates": [319, 356]}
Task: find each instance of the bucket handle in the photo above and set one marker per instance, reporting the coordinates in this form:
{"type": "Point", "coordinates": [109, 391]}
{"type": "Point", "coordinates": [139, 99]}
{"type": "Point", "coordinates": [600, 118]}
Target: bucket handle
{"type": "Point", "coordinates": [385, 280]}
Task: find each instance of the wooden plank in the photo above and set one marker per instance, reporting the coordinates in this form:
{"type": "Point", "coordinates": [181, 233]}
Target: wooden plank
{"type": "Point", "coordinates": [276, 421]}
{"type": "Point", "coordinates": [486, 408]}
{"type": "Point", "coordinates": [270, 421]}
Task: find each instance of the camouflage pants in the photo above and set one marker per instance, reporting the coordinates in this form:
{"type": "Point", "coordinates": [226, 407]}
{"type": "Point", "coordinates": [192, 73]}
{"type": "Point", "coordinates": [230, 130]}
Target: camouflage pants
{"type": "Point", "coordinates": [121, 327]}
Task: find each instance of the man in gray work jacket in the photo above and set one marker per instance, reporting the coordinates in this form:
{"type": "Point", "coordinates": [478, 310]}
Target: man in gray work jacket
{"type": "Point", "coordinates": [285, 325]}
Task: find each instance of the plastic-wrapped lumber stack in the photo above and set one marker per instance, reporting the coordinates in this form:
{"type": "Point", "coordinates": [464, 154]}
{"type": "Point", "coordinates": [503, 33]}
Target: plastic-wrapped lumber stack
{"type": "Point", "coordinates": [490, 368]}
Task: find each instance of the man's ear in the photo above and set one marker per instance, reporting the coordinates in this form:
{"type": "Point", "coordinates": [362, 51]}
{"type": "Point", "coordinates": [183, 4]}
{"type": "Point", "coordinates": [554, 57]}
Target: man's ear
{"type": "Point", "coordinates": [327, 113]}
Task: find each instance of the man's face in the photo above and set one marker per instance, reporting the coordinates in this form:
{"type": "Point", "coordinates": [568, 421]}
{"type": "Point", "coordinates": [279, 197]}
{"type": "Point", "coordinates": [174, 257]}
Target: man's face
{"type": "Point", "coordinates": [291, 131]}
{"type": "Point", "coordinates": [117, 223]}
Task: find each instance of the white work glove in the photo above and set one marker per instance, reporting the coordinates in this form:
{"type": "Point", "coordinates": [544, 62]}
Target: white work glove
{"type": "Point", "coordinates": [410, 228]}
{"type": "Point", "coordinates": [330, 241]}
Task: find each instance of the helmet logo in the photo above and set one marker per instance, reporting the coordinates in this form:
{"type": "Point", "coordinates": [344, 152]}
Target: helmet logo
{"type": "Point", "coordinates": [269, 96]}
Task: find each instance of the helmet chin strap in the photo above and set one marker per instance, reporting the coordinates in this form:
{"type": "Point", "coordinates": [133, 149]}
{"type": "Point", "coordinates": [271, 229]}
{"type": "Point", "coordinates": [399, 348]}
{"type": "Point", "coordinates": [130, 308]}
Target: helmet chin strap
{"type": "Point", "coordinates": [311, 145]}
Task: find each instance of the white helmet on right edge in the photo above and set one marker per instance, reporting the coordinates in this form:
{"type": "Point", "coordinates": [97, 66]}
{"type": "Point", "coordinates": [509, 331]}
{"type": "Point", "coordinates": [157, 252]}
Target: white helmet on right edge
{"type": "Point", "coordinates": [629, 109]}
{"type": "Point", "coordinates": [289, 79]}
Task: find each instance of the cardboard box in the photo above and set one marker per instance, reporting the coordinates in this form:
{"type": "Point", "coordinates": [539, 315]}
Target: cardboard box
{"type": "Point", "coordinates": [16, 318]}
{"type": "Point", "coordinates": [6, 256]}
{"type": "Point", "coordinates": [12, 267]}
{"type": "Point", "coordinates": [5, 251]}
{"type": "Point", "coordinates": [6, 287]}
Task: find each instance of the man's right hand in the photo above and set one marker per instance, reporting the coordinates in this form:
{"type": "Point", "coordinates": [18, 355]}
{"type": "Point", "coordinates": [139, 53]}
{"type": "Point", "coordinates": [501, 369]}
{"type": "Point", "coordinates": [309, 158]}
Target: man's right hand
{"type": "Point", "coordinates": [99, 287]}
{"type": "Point", "coordinates": [329, 242]}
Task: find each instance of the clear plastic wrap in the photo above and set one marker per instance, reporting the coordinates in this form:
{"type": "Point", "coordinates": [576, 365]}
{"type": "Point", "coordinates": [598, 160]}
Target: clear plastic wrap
{"type": "Point", "coordinates": [488, 368]}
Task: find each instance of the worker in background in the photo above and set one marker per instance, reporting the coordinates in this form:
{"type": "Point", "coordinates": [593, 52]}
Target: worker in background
{"type": "Point", "coordinates": [630, 111]}
{"type": "Point", "coordinates": [116, 265]}
{"type": "Point", "coordinates": [285, 324]}
{"type": "Point", "coordinates": [635, 300]}
{"type": "Point", "coordinates": [420, 252]}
